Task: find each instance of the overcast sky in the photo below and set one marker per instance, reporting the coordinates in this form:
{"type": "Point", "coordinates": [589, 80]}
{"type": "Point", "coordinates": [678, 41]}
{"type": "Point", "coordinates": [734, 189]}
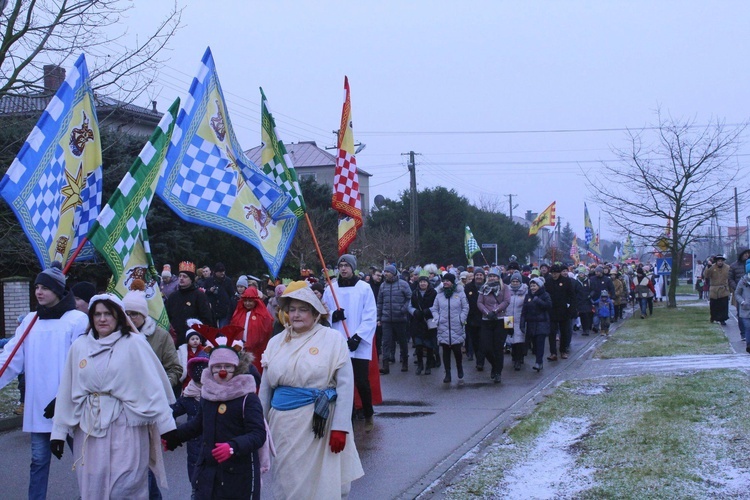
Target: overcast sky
{"type": "Point", "coordinates": [476, 88]}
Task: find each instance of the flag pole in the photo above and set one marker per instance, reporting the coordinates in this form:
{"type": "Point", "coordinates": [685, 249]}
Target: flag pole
{"type": "Point", "coordinates": [36, 315]}
{"type": "Point", "coordinates": [325, 270]}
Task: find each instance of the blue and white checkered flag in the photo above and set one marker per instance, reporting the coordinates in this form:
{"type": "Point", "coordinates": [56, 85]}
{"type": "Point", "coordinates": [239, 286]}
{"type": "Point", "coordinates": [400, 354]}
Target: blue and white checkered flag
{"type": "Point", "coordinates": [54, 184]}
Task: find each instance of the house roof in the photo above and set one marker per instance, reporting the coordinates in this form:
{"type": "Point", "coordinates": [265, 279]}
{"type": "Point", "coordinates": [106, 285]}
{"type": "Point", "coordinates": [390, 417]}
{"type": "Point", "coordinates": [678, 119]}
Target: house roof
{"type": "Point", "coordinates": [304, 154]}
{"type": "Point", "coordinates": [36, 103]}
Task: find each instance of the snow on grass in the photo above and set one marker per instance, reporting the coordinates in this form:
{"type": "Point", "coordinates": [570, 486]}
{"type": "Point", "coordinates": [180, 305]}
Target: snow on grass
{"type": "Point", "coordinates": [550, 469]}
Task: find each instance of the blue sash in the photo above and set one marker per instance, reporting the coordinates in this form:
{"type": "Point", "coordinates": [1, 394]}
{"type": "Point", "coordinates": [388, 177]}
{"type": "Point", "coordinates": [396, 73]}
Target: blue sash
{"type": "Point", "coordinates": [290, 398]}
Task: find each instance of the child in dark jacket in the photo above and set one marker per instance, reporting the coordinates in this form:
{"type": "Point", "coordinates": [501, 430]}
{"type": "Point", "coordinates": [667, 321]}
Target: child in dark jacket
{"type": "Point", "coordinates": [230, 420]}
{"type": "Point", "coordinates": [535, 320]}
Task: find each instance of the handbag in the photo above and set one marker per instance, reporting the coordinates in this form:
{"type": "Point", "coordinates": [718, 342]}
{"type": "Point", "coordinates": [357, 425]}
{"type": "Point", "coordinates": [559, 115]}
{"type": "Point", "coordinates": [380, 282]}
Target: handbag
{"type": "Point", "coordinates": [432, 323]}
{"type": "Point", "coordinates": [508, 322]}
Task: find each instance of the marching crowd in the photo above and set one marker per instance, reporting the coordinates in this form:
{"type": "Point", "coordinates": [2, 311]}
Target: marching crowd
{"type": "Point", "coordinates": [268, 374]}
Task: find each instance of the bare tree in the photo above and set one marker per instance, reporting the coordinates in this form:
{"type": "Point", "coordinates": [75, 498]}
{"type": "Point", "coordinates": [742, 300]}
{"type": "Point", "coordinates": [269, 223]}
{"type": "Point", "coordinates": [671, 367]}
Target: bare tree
{"type": "Point", "coordinates": [669, 181]}
{"type": "Point", "coordinates": [39, 32]}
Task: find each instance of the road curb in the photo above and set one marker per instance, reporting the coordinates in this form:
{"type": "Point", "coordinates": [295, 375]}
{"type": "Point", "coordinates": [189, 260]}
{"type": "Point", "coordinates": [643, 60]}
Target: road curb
{"type": "Point", "coordinates": [11, 423]}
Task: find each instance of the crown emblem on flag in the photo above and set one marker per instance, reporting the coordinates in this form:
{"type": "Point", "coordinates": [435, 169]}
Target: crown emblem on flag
{"type": "Point", "coordinates": [187, 267]}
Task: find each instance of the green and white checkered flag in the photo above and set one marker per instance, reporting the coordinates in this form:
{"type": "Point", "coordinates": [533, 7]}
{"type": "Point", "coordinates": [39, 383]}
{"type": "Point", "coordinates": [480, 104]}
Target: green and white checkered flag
{"type": "Point", "coordinates": [276, 162]}
{"type": "Point", "coordinates": [119, 233]}
{"type": "Point", "coordinates": [471, 245]}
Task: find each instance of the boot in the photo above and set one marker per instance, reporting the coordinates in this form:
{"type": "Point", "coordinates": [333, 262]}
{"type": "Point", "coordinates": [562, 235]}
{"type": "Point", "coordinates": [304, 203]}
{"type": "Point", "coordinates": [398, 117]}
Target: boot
{"type": "Point", "coordinates": [420, 365]}
{"type": "Point", "coordinates": [460, 371]}
{"type": "Point", "coordinates": [429, 363]}
{"type": "Point", "coordinates": [405, 365]}
{"type": "Point", "coordinates": [437, 359]}
{"type": "Point", "coordinates": [386, 367]}
{"type": "Point", "coordinates": [447, 379]}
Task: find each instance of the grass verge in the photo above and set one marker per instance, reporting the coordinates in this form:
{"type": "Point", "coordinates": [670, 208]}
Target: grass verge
{"type": "Point", "coordinates": [9, 399]}
{"type": "Point", "coordinates": [681, 436]}
{"type": "Point", "coordinates": [669, 332]}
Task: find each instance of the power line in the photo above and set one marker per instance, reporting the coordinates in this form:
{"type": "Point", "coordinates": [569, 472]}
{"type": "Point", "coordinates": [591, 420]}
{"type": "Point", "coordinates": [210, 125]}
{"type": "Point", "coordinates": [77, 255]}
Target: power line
{"type": "Point", "coordinates": [543, 131]}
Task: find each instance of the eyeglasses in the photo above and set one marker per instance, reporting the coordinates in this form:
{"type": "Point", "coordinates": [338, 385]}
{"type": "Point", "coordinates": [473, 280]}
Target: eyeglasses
{"type": "Point", "coordinates": [133, 314]}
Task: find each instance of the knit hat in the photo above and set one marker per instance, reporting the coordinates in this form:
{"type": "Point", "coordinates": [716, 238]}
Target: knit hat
{"type": "Point", "coordinates": [536, 272]}
{"type": "Point", "coordinates": [135, 299]}
{"type": "Point", "coordinates": [190, 331]}
{"type": "Point", "coordinates": [449, 277]}
{"type": "Point", "coordinates": [83, 290]}
{"type": "Point", "coordinates": [196, 366]}
{"type": "Point", "coordinates": [539, 281]}
{"type": "Point", "coordinates": [556, 268]}
{"type": "Point", "coordinates": [464, 275]}
{"type": "Point", "coordinates": [52, 278]}
{"type": "Point", "coordinates": [516, 276]}
{"type": "Point", "coordinates": [582, 270]}
{"type": "Point", "coordinates": [242, 281]}
{"type": "Point", "coordinates": [479, 270]}
{"type": "Point", "coordinates": [349, 259]}
{"type": "Point", "coordinates": [279, 290]}
{"type": "Point", "coordinates": [599, 269]}
{"type": "Point", "coordinates": [543, 264]}
{"type": "Point", "coordinates": [495, 271]}
{"type": "Point", "coordinates": [390, 269]}
{"type": "Point", "coordinates": [166, 271]}
{"type": "Point", "coordinates": [604, 293]}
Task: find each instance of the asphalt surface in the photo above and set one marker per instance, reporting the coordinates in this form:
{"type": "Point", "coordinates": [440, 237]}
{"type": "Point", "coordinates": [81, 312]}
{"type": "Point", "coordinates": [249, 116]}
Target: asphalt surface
{"type": "Point", "coordinates": [426, 432]}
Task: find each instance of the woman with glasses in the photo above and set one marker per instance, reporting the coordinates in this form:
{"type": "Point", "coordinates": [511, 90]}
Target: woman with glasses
{"type": "Point", "coordinates": [114, 398]}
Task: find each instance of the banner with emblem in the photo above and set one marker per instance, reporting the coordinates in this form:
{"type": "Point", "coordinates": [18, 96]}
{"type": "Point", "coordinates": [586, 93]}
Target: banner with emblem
{"type": "Point", "coordinates": [119, 233]}
{"type": "Point", "coordinates": [546, 218]}
{"type": "Point", "coordinates": [54, 185]}
{"type": "Point", "coordinates": [208, 180]}
{"type": "Point", "coordinates": [471, 247]}
{"type": "Point", "coordinates": [346, 198]}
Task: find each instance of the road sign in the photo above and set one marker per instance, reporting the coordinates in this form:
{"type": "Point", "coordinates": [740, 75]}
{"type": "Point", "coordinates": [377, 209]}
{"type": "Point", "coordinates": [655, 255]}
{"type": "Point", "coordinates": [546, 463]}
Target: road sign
{"type": "Point", "coordinates": [664, 266]}
{"type": "Point", "coordinates": [489, 245]}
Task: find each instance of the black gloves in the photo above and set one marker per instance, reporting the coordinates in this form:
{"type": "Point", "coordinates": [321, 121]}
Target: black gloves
{"type": "Point", "coordinates": [170, 440]}
{"type": "Point", "coordinates": [49, 410]}
{"type": "Point", "coordinates": [338, 315]}
{"type": "Point", "coordinates": [492, 316]}
{"type": "Point", "coordinates": [427, 314]}
{"type": "Point", "coordinates": [418, 315]}
{"type": "Point", "coordinates": [56, 446]}
{"type": "Point", "coordinates": [353, 342]}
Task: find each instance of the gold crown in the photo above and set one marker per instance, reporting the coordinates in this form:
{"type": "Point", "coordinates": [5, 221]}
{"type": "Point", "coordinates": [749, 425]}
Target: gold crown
{"type": "Point", "coordinates": [187, 267]}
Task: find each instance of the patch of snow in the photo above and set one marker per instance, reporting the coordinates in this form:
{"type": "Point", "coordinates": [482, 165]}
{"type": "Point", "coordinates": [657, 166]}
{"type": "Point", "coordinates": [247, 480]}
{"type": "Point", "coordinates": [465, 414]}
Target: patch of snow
{"type": "Point", "coordinates": [590, 389]}
{"type": "Point", "coordinates": [716, 463]}
{"type": "Point", "coordinates": [550, 469]}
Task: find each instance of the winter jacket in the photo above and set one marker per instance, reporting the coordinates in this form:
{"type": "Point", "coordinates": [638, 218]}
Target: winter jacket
{"type": "Point", "coordinates": [599, 283]}
{"type": "Point", "coordinates": [742, 294]}
{"type": "Point", "coordinates": [582, 290]}
{"type": "Point", "coordinates": [451, 313]}
{"type": "Point", "coordinates": [605, 309]}
{"type": "Point", "coordinates": [161, 342]}
{"type": "Point", "coordinates": [220, 293]}
{"type": "Point", "coordinates": [472, 294]}
{"type": "Point", "coordinates": [515, 309]}
{"type": "Point", "coordinates": [238, 422]}
{"type": "Point", "coordinates": [719, 281]}
{"type": "Point", "coordinates": [421, 302]}
{"type": "Point", "coordinates": [737, 269]}
{"type": "Point", "coordinates": [535, 313]}
{"type": "Point", "coordinates": [393, 301]}
{"type": "Point", "coordinates": [644, 288]}
{"type": "Point", "coordinates": [563, 298]}
{"type": "Point", "coordinates": [621, 295]}
{"type": "Point", "coordinates": [491, 304]}
{"type": "Point", "coordinates": [184, 304]}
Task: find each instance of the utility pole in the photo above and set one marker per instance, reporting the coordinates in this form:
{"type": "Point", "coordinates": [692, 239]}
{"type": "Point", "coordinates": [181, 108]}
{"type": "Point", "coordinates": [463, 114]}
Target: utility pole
{"type": "Point", "coordinates": [510, 204]}
{"type": "Point", "coordinates": [736, 225]}
{"type": "Point", "coordinates": [414, 215]}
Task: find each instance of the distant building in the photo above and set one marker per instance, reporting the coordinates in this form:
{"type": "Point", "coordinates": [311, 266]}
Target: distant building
{"type": "Point", "coordinates": [112, 114]}
{"type": "Point", "coordinates": [312, 162]}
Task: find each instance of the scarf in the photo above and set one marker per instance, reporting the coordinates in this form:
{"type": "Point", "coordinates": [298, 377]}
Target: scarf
{"type": "Point", "coordinates": [67, 303]}
{"type": "Point", "coordinates": [235, 387]}
{"type": "Point", "coordinates": [448, 292]}
{"type": "Point", "coordinates": [346, 282]}
{"type": "Point", "coordinates": [490, 288]}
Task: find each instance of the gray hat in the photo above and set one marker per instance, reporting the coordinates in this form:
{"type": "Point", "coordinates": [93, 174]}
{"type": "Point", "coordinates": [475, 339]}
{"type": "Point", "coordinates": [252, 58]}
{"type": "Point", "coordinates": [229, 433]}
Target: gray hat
{"type": "Point", "coordinates": [349, 259]}
{"type": "Point", "coordinates": [495, 271]}
{"type": "Point", "coordinates": [539, 281]}
{"type": "Point", "coordinates": [604, 293]}
{"type": "Point", "coordinates": [479, 270]}
{"type": "Point", "coordinates": [52, 278]}
{"type": "Point", "coordinates": [516, 276]}
{"type": "Point", "coordinates": [242, 281]}
{"type": "Point", "coordinates": [390, 269]}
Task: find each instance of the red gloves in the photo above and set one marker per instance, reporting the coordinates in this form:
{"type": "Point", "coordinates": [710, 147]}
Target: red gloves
{"type": "Point", "coordinates": [338, 441]}
{"type": "Point", "coordinates": [222, 452]}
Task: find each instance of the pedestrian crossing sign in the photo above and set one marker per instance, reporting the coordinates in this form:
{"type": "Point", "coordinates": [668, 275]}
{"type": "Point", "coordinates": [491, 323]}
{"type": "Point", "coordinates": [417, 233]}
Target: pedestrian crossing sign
{"type": "Point", "coordinates": [664, 266]}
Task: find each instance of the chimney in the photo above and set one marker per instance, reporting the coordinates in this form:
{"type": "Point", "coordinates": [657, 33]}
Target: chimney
{"type": "Point", "coordinates": [54, 76]}
{"type": "Point", "coordinates": [153, 106]}
{"type": "Point", "coordinates": [530, 216]}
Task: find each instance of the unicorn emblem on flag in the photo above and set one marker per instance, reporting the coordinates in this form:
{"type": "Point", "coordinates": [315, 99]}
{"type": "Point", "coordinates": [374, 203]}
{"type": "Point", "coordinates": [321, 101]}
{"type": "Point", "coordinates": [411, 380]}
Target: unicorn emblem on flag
{"type": "Point", "coordinates": [217, 123]}
{"type": "Point", "coordinates": [80, 136]}
{"type": "Point", "coordinates": [261, 219]}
